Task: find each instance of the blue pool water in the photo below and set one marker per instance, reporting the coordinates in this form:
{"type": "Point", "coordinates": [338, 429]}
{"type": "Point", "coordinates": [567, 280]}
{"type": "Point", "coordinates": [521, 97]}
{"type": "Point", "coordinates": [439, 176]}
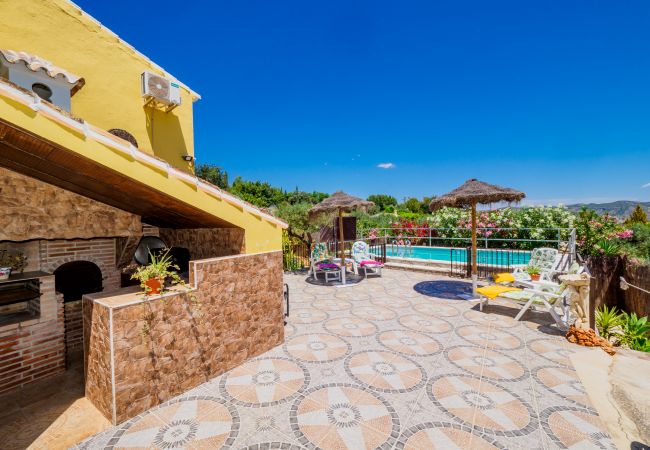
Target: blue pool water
{"type": "Point", "coordinates": [499, 257]}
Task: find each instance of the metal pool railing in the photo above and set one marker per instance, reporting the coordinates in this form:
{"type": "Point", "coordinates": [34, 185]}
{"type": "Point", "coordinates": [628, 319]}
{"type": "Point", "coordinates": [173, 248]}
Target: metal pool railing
{"type": "Point", "coordinates": [295, 257]}
{"type": "Point", "coordinates": [561, 238]}
{"type": "Point", "coordinates": [487, 263]}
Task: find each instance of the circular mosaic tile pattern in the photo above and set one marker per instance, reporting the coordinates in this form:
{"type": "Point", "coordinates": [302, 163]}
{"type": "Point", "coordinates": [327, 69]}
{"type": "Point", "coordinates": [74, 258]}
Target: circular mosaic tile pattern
{"type": "Point", "coordinates": [447, 436]}
{"type": "Point", "coordinates": [264, 382]}
{"type": "Point", "coordinates": [483, 318]}
{"type": "Point", "coordinates": [551, 350]}
{"type": "Point", "coordinates": [390, 302]}
{"type": "Point", "coordinates": [404, 291]}
{"type": "Point", "coordinates": [385, 371]}
{"type": "Point", "coordinates": [289, 330]}
{"type": "Point", "coordinates": [408, 342]}
{"type": "Point", "coordinates": [332, 305]}
{"type": "Point", "coordinates": [491, 337]}
{"type": "Point", "coordinates": [307, 315]}
{"type": "Point", "coordinates": [343, 416]}
{"type": "Point", "coordinates": [276, 445]}
{"type": "Point", "coordinates": [436, 309]}
{"type": "Point", "coordinates": [374, 313]}
{"type": "Point", "coordinates": [490, 363]}
{"type": "Point", "coordinates": [351, 294]}
{"type": "Point", "coordinates": [564, 382]}
{"type": "Point", "coordinates": [425, 324]}
{"type": "Point", "coordinates": [350, 327]}
{"type": "Point", "coordinates": [297, 297]}
{"type": "Point", "coordinates": [199, 422]}
{"type": "Point", "coordinates": [573, 427]}
{"type": "Point", "coordinates": [317, 348]}
{"type": "Point", "coordinates": [489, 406]}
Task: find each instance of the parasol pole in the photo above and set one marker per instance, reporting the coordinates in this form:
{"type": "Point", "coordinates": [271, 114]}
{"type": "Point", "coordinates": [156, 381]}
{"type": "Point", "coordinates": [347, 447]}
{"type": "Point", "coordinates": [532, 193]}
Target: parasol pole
{"type": "Point", "coordinates": [342, 246]}
{"type": "Point", "coordinates": [474, 271]}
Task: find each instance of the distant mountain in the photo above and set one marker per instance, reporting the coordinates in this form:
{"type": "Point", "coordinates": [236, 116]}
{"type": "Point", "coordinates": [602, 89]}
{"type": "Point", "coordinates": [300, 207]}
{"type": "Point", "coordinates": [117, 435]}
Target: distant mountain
{"type": "Point", "coordinates": [620, 209]}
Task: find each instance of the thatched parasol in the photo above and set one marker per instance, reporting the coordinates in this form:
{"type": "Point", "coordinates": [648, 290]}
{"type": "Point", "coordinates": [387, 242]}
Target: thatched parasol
{"type": "Point", "coordinates": [470, 194]}
{"type": "Point", "coordinates": [339, 202]}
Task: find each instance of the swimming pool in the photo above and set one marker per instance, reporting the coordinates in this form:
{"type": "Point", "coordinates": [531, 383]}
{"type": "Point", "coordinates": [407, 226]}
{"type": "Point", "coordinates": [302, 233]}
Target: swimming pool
{"type": "Point", "coordinates": [484, 256]}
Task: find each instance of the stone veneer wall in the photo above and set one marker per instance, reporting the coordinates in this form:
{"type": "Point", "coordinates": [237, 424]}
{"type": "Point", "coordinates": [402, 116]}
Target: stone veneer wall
{"type": "Point", "coordinates": [32, 209]}
{"type": "Point", "coordinates": [236, 314]}
{"type": "Point", "coordinates": [205, 242]}
{"type": "Point", "coordinates": [97, 357]}
{"type": "Point", "coordinates": [35, 349]}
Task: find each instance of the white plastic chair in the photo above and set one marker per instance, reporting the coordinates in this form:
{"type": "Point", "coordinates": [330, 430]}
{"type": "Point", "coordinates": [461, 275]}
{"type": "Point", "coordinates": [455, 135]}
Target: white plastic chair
{"type": "Point", "coordinates": [545, 294]}
{"type": "Point", "coordinates": [362, 259]}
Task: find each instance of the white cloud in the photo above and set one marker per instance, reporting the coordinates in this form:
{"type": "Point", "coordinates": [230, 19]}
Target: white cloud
{"type": "Point", "coordinates": [387, 165]}
{"type": "Point", "coordinates": [647, 185]}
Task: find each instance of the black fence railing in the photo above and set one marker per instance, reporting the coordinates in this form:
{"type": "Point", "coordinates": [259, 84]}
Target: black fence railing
{"type": "Point", "coordinates": [488, 262]}
{"type": "Point", "coordinates": [376, 247]}
{"type": "Point", "coordinates": [296, 256]}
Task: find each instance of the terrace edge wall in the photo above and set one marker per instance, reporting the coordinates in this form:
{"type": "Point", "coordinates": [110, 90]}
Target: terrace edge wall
{"type": "Point", "coordinates": [233, 313]}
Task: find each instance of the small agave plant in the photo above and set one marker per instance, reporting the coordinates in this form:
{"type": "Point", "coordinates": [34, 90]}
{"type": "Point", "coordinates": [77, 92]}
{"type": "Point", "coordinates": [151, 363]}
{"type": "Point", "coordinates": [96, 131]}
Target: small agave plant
{"type": "Point", "coordinates": [152, 276]}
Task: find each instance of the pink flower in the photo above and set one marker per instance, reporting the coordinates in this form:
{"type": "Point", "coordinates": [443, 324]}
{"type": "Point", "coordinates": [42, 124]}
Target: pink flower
{"type": "Point", "coordinates": [625, 234]}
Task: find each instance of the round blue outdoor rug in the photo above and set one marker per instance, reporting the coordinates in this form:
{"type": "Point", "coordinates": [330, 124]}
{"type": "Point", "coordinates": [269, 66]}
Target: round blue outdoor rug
{"type": "Point", "coordinates": [450, 290]}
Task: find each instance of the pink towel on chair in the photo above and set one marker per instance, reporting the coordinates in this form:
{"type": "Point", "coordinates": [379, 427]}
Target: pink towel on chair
{"type": "Point", "coordinates": [370, 263]}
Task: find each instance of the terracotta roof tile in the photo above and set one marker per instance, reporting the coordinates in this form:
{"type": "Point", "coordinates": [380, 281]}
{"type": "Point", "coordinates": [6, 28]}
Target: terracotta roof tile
{"type": "Point", "coordinates": [36, 63]}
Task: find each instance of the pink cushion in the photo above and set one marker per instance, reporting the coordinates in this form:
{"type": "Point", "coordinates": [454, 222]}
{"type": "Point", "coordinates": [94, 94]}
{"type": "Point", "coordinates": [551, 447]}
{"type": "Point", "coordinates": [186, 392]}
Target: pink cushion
{"type": "Point", "coordinates": [370, 263]}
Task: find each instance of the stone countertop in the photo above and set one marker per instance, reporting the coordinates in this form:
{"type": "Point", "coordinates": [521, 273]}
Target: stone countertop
{"type": "Point", "coordinates": [132, 295]}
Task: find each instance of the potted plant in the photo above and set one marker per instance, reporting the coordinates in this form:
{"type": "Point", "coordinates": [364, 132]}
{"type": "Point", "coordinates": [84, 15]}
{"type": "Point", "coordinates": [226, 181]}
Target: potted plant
{"type": "Point", "coordinates": [152, 276]}
{"type": "Point", "coordinates": [11, 262]}
{"type": "Point", "coordinates": [533, 272]}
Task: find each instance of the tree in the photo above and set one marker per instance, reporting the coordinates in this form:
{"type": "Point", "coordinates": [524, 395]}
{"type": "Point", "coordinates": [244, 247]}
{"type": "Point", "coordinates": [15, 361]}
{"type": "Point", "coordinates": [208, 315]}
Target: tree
{"type": "Point", "coordinates": [213, 174]}
{"type": "Point", "coordinates": [382, 201]}
{"type": "Point", "coordinates": [413, 205]}
{"type": "Point", "coordinates": [257, 193]}
{"type": "Point", "coordinates": [637, 216]}
{"type": "Point", "coordinates": [297, 216]}
{"type": "Point", "coordinates": [425, 204]}
{"type": "Point", "coordinates": [298, 196]}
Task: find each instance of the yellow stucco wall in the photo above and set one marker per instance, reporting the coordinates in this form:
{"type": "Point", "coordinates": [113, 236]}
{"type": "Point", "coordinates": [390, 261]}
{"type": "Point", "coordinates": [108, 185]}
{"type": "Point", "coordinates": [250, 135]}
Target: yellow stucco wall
{"type": "Point", "coordinates": [260, 235]}
{"type": "Point", "coordinates": [59, 32]}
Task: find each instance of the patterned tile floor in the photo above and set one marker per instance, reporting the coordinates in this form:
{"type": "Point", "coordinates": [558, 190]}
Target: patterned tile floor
{"type": "Point", "coordinates": [378, 365]}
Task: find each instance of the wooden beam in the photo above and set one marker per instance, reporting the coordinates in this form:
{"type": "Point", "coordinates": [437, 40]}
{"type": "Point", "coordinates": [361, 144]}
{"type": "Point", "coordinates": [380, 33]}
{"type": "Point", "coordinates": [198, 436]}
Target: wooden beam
{"type": "Point", "coordinates": [33, 156]}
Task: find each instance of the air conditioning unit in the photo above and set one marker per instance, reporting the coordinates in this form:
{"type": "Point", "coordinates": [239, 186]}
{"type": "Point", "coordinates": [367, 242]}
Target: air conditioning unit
{"type": "Point", "coordinates": [160, 89]}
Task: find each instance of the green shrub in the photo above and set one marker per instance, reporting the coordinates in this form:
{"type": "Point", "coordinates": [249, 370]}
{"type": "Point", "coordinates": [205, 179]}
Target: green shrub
{"type": "Point", "coordinates": [636, 332]}
{"type": "Point", "coordinates": [638, 246]}
{"type": "Point", "coordinates": [609, 322]}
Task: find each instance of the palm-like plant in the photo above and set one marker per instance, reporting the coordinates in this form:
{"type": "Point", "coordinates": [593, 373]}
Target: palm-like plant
{"type": "Point", "coordinates": [636, 332]}
{"type": "Point", "coordinates": [609, 322]}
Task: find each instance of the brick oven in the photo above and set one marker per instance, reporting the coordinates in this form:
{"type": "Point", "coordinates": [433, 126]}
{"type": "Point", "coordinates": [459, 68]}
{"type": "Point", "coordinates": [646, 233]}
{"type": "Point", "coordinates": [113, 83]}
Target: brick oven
{"type": "Point", "coordinates": [70, 245]}
{"type": "Point", "coordinates": [74, 246]}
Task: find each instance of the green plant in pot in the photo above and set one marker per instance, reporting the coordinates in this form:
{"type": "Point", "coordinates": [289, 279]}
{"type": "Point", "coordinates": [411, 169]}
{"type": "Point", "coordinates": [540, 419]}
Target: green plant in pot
{"type": "Point", "coordinates": [152, 276]}
{"type": "Point", "coordinates": [534, 273]}
{"type": "Point", "coordinates": [11, 262]}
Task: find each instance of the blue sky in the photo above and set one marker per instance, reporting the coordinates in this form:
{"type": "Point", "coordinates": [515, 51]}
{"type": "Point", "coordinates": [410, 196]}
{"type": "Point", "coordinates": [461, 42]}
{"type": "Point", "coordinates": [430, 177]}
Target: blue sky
{"type": "Point", "coordinates": [550, 97]}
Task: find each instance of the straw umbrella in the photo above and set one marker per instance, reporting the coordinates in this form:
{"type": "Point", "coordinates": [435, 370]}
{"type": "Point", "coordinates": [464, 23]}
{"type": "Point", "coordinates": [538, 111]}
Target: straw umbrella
{"type": "Point", "coordinates": [339, 202]}
{"type": "Point", "coordinates": [471, 193]}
